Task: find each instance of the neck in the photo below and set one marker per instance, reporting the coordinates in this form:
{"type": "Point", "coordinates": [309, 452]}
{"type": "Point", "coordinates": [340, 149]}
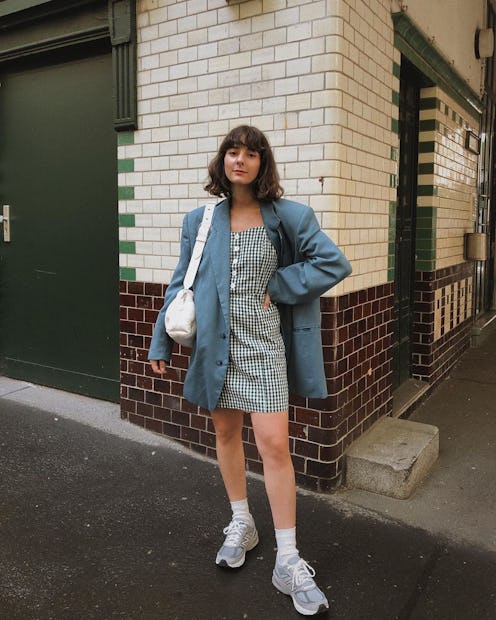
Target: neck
{"type": "Point", "coordinates": [243, 198]}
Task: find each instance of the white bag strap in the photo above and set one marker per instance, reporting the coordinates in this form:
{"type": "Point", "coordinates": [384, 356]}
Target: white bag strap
{"type": "Point", "coordinates": [201, 239]}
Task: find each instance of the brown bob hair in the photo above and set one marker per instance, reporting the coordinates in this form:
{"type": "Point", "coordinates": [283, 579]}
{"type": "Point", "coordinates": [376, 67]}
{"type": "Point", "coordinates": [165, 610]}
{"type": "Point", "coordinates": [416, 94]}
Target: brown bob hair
{"type": "Point", "coordinates": [266, 186]}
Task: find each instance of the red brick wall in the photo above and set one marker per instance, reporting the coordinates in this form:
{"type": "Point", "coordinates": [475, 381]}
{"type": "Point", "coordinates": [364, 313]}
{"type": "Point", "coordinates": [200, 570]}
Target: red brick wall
{"type": "Point", "coordinates": [442, 322]}
{"type": "Point", "coordinates": [356, 333]}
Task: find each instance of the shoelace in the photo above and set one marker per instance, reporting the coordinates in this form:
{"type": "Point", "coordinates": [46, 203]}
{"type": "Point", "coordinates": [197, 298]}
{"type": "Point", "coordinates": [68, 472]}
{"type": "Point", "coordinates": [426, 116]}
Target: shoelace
{"type": "Point", "coordinates": [302, 572]}
{"type": "Point", "coordinates": [234, 533]}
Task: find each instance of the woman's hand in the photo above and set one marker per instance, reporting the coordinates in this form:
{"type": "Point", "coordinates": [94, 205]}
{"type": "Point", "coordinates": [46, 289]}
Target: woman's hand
{"type": "Point", "coordinates": [266, 302]}
{"type": "Point", "coordinates": [159, 367]}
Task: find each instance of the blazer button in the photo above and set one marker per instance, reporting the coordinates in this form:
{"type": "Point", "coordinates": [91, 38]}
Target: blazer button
{"type": "Point", "coordinates": [219, 362]}
{"type": "Point", "coordinates": [223, 336]}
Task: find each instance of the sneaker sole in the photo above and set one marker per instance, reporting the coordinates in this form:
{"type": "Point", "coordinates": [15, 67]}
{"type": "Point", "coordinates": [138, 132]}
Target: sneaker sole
{"type": "Point", "coordinates": [281, 586]}
{"type": "Point", "coordinates": [241, 561]}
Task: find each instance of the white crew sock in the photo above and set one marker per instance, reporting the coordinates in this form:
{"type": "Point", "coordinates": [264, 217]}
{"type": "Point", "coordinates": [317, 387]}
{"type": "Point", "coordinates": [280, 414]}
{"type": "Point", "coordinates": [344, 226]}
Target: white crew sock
{"type": "Point", "coordinates": [241, 511]}
{"type": "Point", "coordinates": [286, 545]}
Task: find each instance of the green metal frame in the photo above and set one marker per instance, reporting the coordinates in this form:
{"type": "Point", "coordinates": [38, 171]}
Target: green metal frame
{"type": "Point", "coordinates": [76, 22]}
{"type": "Point", "coordinates": [122, 22]}
{"type": "Point", "coordinates": [413, 44]}
{"type": "Point", "coordinates": [9, 7]}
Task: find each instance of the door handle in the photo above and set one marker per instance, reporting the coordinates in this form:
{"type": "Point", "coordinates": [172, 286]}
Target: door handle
{"type": "Point", "coordinates": [5, 220]}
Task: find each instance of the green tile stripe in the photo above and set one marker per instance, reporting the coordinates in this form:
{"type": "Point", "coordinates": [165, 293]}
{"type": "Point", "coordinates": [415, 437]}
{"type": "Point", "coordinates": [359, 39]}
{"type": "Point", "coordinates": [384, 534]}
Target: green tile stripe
{"type": "Point", "coordinates": [430, 103]}
{"type": "Point", "coordinates": [427, 168]}
{"type": "Point", "coordinates": [425, 239]}
{"type": "Point", "coordinates": [393, 183]}
{"type": "Point", "coordinates": [125, 193]}
{"type": "Point", "coordinates": [125, 165]}
{"type": "Point", "coordinates": [433, 103]}
{"type": "Point", "coordinates": [424, 245]}
{"type": "Point", "coordinates": [425, 265]}
{"type": "Point", "coordinates": [390, 269]}
{"type": "Point", "coordinates": [426, 190]}
{"type": "Point", "coordinates": [391, 242]}
{"type": "Point", "coordinates": [127, 220]}
{"type": "Point", "coordinates": [125, 137]}
{"type": "Point", "coordinates": [128, 273]}
{"type": "Point", "coordinates": [127, 247]}
{"type": "Point", "coordinates": [392, 219]}
{"type": "Point", "coordinates": [427, 147]}
{"type": "Point", "coordinates": [428, 212]}
{"type": "Point", "coordinates": [430, 124]}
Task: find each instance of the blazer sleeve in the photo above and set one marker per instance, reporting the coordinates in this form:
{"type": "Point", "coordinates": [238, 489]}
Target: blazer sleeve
{"type": "Point", "coordinates": [319, 265]}
{"type": "Point", "coordinates": [162, 344]}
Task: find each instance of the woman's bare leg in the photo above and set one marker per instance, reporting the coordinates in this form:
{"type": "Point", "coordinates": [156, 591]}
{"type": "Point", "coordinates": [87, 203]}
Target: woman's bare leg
{"type": "Point", "coordinates": [272, 439]}
{"type": "Point", "coordinates": [228, 424]}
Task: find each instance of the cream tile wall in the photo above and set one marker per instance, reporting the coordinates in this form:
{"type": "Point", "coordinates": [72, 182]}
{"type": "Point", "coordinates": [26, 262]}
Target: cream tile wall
{"type": "Point", "coordinates": [451, 26]}
{"type": "Point", "coordinates": [316, 76]}
{"type": "Point", "coordinates": [454, 176]}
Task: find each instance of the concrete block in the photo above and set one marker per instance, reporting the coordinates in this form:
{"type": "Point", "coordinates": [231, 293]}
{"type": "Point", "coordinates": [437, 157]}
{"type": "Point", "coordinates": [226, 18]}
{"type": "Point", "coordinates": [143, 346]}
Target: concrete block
{"type": "Point", "coordinates": [392, 458]}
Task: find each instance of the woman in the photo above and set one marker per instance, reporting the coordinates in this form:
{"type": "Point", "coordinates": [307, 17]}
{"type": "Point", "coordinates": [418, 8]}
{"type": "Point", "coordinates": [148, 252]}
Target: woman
{"type": "Point", "coordinates": [265, 265]}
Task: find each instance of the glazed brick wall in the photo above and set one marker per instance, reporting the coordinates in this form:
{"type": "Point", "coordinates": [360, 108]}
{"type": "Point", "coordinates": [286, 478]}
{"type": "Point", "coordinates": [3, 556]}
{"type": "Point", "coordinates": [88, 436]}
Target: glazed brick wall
{"type": "Point", "coordinates": [434, 356]}
{"type": "Point", "coordinates": [357, 336]}
{"type": "Point", "coordinates": [317, 77]}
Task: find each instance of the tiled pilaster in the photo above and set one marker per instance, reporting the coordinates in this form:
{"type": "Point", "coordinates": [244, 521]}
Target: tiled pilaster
{"type": "Point", "coordinates": [447, 181]}
{"type": "Point", "coordinates": [127, 218]}
{"type": "Point", "coordinates": [442, 321]}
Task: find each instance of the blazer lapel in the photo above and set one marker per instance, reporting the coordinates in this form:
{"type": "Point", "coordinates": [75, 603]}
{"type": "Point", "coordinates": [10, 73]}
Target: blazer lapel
{"type": "Point", "coordinates": [276, 232]}
{"type": "Point", "coordinates": [218, 246]}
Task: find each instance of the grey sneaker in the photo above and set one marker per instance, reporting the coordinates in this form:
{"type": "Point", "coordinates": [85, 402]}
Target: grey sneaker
{"type": "Point", "coordinates": [240, 538]}
{"type": "Point", "coordinates": [296, 580]}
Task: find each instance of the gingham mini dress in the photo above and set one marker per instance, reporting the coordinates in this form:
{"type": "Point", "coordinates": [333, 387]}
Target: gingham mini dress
{"type": "Point", "coordinates": [256, 379]}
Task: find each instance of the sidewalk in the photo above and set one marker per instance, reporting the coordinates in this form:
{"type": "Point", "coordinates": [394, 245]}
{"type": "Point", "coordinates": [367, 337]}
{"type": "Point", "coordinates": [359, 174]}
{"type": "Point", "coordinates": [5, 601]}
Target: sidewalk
{"type": "Point", "coordinates": [458, 500]}
{"type": "Point", "coordinates": [100, 519]}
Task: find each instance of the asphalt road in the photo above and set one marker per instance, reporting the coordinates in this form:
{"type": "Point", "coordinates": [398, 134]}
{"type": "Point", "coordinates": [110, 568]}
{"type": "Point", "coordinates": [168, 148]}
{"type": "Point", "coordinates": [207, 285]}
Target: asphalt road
{"type": "Point", "coordinates": [95, 526]}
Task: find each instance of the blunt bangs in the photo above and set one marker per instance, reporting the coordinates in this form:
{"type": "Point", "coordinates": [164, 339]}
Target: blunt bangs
{"type": "Point", "coordinates": [250, 137]}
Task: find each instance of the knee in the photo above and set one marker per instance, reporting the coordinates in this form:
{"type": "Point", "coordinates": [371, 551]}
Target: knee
{"type": "Point", "coordinates": [227, 430]}
{"type": "Point", "coordinates": [274, 450]}
{"type": "Point", "coordinates": [227, 435]}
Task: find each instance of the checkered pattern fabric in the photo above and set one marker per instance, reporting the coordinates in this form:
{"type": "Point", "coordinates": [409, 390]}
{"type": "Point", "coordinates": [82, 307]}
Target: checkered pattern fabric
{"type": "Point", "coordinates": [256, 378]}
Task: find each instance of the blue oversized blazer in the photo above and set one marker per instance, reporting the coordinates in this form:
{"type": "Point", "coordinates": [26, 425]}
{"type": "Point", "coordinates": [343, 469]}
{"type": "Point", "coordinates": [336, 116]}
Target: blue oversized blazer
{"type": "Point", "coordinates": [310, 264]}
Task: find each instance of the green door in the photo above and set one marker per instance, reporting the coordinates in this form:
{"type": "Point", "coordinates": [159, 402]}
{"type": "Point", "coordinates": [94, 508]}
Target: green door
{"type": "Point", "coordinates": [405, 223]}
{"type": "Point", "coordinates": [59, 273]}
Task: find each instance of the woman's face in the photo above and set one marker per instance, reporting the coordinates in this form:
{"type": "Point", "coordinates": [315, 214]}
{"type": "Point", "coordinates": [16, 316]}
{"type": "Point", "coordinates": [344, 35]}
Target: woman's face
{"type": "Point", "coordinates": [241, 165]}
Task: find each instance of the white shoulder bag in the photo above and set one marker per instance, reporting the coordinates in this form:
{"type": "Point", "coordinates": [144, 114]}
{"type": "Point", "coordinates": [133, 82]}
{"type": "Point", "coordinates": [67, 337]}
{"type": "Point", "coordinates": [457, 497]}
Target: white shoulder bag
{"type": "Point", "coordinates": [180, 318]}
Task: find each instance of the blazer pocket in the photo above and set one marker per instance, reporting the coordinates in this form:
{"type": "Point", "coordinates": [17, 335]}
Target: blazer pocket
{"type": "Point", "coordinates": [306, 364]}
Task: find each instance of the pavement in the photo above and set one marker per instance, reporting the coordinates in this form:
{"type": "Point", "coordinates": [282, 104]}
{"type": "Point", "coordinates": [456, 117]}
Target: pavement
{"type": "Point", "coordinates": [458, 500]}
{"type": "Point", "coordinates": [100, 519]}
